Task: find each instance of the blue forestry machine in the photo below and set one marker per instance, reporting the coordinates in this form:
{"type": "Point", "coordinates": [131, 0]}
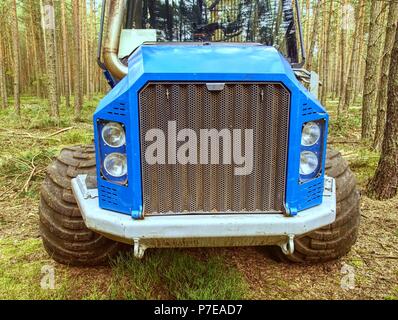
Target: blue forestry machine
{"type": "Point", "coordinates": [212, 135]}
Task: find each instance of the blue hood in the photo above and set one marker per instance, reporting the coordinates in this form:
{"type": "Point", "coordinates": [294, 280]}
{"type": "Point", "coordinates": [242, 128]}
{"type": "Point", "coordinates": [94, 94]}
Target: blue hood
{"type": "Point", "coordinates": [208, 59]}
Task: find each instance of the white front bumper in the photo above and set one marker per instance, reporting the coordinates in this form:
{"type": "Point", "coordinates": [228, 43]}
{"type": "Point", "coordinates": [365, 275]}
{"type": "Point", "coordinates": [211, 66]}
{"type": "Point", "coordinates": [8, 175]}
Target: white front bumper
{"type": "Point", "coordinates": [196, 230]}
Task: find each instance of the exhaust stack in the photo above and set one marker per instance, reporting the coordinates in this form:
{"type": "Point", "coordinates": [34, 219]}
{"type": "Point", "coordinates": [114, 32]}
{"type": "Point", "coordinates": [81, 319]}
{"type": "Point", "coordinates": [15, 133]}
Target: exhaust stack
{"type": "Point", "coordinates": [115, 15]}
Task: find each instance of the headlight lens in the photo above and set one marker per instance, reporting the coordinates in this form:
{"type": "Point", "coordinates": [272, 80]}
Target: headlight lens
{"type": "Point", "coordinates": [113, 134]}
{"type": "Point", "coordinates": [311, 134]}
{"type": "Point", "coordinates": [115, 164]}
{"type": "Point", "coordinates": [308, 163]}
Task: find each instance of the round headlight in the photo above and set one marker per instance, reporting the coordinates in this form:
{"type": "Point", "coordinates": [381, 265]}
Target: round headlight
{"type": "Point", "coordinates": [113, 134]}
{"type": "Point", "coordinates": [115, 164]}
{"type": "Point", "coordinates": [308, 162]}
{"type": "Point", "coordinates": [311, 134]}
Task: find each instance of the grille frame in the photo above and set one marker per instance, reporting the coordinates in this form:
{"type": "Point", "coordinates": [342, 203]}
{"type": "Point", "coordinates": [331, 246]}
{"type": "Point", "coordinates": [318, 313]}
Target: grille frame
{"type": "Point", "coordinates": [281, 206]}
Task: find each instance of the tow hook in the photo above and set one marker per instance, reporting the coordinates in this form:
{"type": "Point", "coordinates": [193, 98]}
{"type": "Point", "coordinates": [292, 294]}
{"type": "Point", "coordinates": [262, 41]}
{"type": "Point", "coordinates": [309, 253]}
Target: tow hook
{"type": "Point", "coordinates": [139, 249]}
{"type": "Point", "coordinates": [288, 246]}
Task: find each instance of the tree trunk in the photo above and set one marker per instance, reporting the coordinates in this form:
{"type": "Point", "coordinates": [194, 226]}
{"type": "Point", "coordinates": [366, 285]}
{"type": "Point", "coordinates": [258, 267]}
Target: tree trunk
{"type": "Point", "coordinates": [326, 57]}
{"type": "Point", "coordinates": [65, 54]}
{"type": "Point", "coordinates": [82, 12]}
{"type": "Point", "coordinates": [384, 184]}
{"type": "Point", "coordinates": [313, 37]}
{"type": "Point", "coordinates": [348, 96]}
{"type": "Point", "coordinates": [3, 87]}
{"type": "Point", "coordinates": [358, 83]}
{"type": "Point", "coordinates": [321, 47]}
{"type": "Point", "coordinates": [49, 32]}
{"type": "Point", "coordinates": [342, 45]}
{"type": "Point", "coordinates": [381, 101]}
{"type": "Point", "coordinates": [307, 25]}
{"type": "Point", "coordinates": [372, 60]}
{"type": "Point", "coordinates": [16, 55]}
{"type": "Point", "coordinates": [32, 26]}
{"type": "Point", "coordinates": [77, 60]}
{"type": "Point", "coordinates": [336, 66]}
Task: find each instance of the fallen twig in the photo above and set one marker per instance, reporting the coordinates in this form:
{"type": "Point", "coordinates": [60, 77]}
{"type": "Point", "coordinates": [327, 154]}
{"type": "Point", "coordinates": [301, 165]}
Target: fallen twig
{"type": "Point", "coordinates": [26, 185]}
{"type": "Point", "coordinates": [372, 256]}
{"type": "Point", "coordinates": [387, 257]}
{"type": "Point", "coordinates": [58, 132]}
{"type": "Point", "coordinates": [29, 135]}
{"type": "Point", "coordinates": [348, 154]}
{"type": "Point", "coordinates": [344, 142]}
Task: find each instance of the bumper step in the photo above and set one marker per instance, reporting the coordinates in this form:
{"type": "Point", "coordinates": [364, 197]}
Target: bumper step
{"type": "Point", "coordinates": [198, 230]}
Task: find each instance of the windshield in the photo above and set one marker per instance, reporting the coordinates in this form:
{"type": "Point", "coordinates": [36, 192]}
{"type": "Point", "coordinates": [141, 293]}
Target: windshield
{"type": "Point", "coordinates": [270, 22]}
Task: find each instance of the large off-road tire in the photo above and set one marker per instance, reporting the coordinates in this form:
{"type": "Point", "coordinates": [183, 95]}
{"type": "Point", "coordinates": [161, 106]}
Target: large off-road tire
{"type": "Point", "coordinates": [335, 240]}
{"type": "Point", "coordinates": [65, 236]}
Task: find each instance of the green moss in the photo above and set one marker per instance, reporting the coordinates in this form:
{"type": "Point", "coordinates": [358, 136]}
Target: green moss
{"type": "Point", "coordinates": [77, 136]}
{"type": "Point", "coordinates": [356, 262]}
{"type": "Point", "coordinates": [21, 264]}
{"type": "Point", "coordinates": [393, 295]}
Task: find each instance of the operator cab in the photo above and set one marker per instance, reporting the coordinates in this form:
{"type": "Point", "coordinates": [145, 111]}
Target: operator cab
{"type": "Point", "coordinates": [269, 22]}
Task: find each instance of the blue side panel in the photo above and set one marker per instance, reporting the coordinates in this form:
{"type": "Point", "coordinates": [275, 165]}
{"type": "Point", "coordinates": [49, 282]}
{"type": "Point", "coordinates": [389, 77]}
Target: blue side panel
{"type": "Point", "coordinates": [121, 198]}
{"type": "Point", "coordinates": [301, 196]}
{"type": "Point", "coordinates": [206, 63]}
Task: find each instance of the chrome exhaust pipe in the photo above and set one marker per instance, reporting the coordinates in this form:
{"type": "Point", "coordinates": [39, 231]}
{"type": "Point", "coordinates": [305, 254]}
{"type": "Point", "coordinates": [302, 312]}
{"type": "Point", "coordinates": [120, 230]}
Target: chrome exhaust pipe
{"type": "Point", "coordinates": [116, 13]}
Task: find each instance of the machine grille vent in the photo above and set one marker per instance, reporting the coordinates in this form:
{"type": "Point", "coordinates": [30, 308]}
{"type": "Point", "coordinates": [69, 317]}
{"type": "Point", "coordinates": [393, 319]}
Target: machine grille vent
{"type": "Point", "coordinates": [214, 188]}
{"type": "Point", "coordinates": [109, 195]}
{"type": "Point", "coordinates": [119, 110]}
{"type": "Point", "coordinates": [314, 192]}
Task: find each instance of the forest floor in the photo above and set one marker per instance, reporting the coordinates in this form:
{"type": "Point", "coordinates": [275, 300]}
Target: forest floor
{"type": "Point", "coordinates": [27, 147]}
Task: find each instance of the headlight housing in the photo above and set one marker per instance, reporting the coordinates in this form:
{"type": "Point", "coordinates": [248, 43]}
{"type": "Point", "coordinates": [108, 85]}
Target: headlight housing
{"type": "Point", "coordinates": [113, 134]}
{"type": "Point", "coordinates": [311, 150]}
{"type": "Point", "coordinates": [308, 163]}
{"type": "Point", "coordinates": [311, 134]}
{"type": "Point", "coordinates": [112, 144]}
{"type": "Point", "coordinates": [115, 164]}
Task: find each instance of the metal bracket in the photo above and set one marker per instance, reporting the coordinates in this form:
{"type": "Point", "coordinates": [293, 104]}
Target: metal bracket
{"type": "Point", "coordinates": [291, 211]}
{"type": "Point", "coordinates": [138, 214]}
{"type": "Point", "coordinates": [139, 249]}
{"type": "Point", "coordinates": [288, 247]}
{"type": "Point", "coordinates": [212, 86]}
{"type": "Point", "coordinates": [328, 188]}
{"type": "Point", "coordinates": [87, 193]}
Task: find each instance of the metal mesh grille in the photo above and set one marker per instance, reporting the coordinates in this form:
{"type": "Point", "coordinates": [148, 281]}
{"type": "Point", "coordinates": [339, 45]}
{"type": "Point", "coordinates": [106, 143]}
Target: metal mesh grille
{"type": "Point", "coordinates": [196, 188]}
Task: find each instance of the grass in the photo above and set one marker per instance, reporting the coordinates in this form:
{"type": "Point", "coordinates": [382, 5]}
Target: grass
{"type": "Point", "coordinates": [30, 144]}
{"type": "Point", "coordinates": [344, 135]}
{"type": "Point", "coordinates": [22, 262]}
{"type": "Point", "coordinates": [166, 273]}
{"type": "Point", "coordinates": [175, 274]}
{"type": "Point", "coordinates": [163, 274]}
{"type": "Point", "coordinates": [393, 295]}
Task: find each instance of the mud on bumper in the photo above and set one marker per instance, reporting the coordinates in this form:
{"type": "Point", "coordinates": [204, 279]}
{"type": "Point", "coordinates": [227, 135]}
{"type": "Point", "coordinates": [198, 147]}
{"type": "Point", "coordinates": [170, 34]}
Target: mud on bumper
{"type": "Point", "coordinates": [204, 230]}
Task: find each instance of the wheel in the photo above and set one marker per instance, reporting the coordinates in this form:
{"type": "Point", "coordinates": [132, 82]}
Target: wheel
{"type": "Point", "coordinates": [64, 234]}
{"type": "Point", "coordinates": [335, 240]}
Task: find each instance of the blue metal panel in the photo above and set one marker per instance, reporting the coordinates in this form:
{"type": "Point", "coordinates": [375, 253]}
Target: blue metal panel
{"type": "Point", "coordinates": [209, 63]}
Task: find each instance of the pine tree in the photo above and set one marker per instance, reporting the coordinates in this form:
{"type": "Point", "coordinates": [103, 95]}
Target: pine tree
{"type": "Point", "coordinates": [384, 184]}
{"type": "Point", "coordinates": [16, 56]}
{"type": "Point", "coordinates": [77, 58]}
{"type": "Point", "coordinates": [3, 85]}
{"type": "Point", "coordinates": [381, 101]}
{"type": "Point", "coordinates": [65, 54]}
{"type": "Point", "coordinates": [49, 31]}
{"type": "Point", "coordinates": [372, 60]}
